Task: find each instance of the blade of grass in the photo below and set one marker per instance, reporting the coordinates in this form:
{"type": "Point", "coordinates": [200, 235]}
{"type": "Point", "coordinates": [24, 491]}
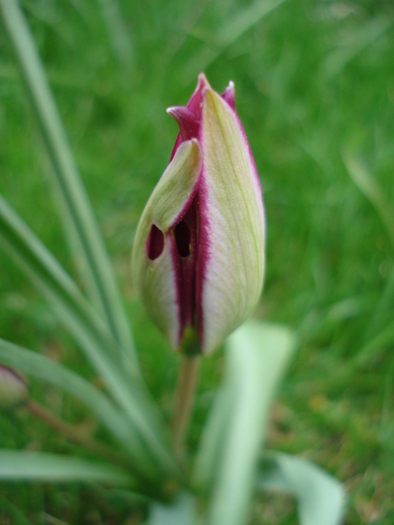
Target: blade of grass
{"type": "Point", "coordinates": [360, 39]}
{"type": "Point", "coordinates": [321, 498]}
{"type": "Point", "coordinates": [36, 365]}
{"type": "Point", "coordinates": [79, 214]}
{"type": "Point", "coordinates": [126, 388]}
{"type": "Point", "coordinates": [13, 512]}
{"type": "Point", "coordinates": [117, 31]}
{"type": "Point", "coordinates": [229, 32]}
{"type": "Point", "coordinates": [257, 355]}
{"type": "Point", "coordinates": [40, 466]}
{"type": "Point", "coordinates": [47, 273]}
{"type": "Point", "coordinates": [372, 191]}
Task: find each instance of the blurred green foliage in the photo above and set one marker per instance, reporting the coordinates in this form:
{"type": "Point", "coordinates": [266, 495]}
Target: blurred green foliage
{"type": "Point", "coordinates": [315, 86]}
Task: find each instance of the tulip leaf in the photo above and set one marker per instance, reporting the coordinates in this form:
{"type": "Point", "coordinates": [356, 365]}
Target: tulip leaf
{"type": "Point", "coordinates": [84, 324]}
{"type": "Point", "coordinates": [182, 512]}
{"type": "Point", "coordinates": [77, 212]}
{"type": "Point", "coordinates": [257, 355]}
{"type": "Point", "coordinates": [321, 498]}
{"type": "Point", "coordinates": [18, 465]}
{"type": "Point", "coordinates": [36, 365]}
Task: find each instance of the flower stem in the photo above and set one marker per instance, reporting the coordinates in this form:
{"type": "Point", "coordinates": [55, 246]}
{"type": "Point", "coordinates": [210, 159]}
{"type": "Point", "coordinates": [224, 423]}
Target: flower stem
{"type": "Point", "coordinates": [71, 433]}
{"type": "Point", "coordinates": [184, 397]}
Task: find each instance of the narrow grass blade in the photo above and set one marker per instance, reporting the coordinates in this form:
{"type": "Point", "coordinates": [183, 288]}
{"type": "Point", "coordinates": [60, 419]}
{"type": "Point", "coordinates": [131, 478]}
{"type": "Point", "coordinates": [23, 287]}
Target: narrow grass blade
{"type": "Point", "coordinates": [181, 512]}
{"type": "Point", "coordinates": [117, 31]}
{"type": "Point", "coordinates": [243, 20]}
{"type": "Point", "coordinates": [373, 350]}
{"type": "Point", "coordinates": [321, 498]}
{"type": "Point", "coordinates": [355, 43]}
{"type": "Point", "coordinates": [47, 274]}
{"type": "Point", "coordinates": [78, 212]}
{"type": "Point", "coordinates": [233, 29]}
{"type": "Point", "coordinates": [12, 512]}
{"type": "Point", "coordinates": [39, 466]}
{"type": "Point", "coordinates": [370, 188]}
{"type": "Point", "coordinates": [257, 355]}
{"type": "Point", "coordinates": [126, 388]}
{"type": "Point", "coordinates": [36, 365]}
{"type": "Point", "coordinates": [375, 332]}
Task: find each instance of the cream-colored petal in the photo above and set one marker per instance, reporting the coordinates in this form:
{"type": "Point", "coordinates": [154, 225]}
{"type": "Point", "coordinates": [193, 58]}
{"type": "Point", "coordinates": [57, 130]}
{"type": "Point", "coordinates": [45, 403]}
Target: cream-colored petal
{"type": "Point", "coordinates": [156, 279]}
{"type": "Point", "coordinates": [235, 231]}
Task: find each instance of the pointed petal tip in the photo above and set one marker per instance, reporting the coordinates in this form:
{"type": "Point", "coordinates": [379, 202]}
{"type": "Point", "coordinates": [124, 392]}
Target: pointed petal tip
{"type": "Point", "coordinates": [202, 81]}
{"type": "Point", "coordinates": [229, 94]}
{"type": "Point", "coordinates": [188, 125]}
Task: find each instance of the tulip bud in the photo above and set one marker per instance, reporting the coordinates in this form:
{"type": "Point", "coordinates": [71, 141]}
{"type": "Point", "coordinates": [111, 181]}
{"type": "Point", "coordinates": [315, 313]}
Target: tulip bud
{"type": "Point", "coordinates": [13, 389]}
{"type": "Point", "coordinates": [198, 254]}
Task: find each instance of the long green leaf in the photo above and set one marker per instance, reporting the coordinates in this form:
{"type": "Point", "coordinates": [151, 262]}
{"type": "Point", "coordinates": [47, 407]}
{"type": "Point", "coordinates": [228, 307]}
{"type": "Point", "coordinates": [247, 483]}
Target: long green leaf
{"type": "Point", "coordinates": [36, 365]}
{"type": "Point", "coordinates": [257, 355]}
{"type": "Point", "coordinates": [321, 498]}
{"type": "Point", "coordinates": [84, 324]}
{"type": "Point", "coordinates": [78, 212]}
{"type": "Point", "coordinates": [40, 466]}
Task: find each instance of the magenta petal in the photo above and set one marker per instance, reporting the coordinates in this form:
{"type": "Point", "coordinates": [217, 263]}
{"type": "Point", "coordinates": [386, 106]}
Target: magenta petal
{"type": "Point", "coordinates": [189, 117]}
{"type": "Point", "coordinates": [184, 256]}
{"type": "Point", "coordinates": [229, 95]}
{"type": "Point", "coordinates": [188, 125]}
{"type": "Point", "coordinates": [195, 103]}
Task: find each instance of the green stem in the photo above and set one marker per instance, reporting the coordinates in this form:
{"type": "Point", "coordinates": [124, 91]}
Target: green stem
{"type": "Point", "coordinates": [72, 433]}
{"type": "Point", "coordinates": [184, 397]}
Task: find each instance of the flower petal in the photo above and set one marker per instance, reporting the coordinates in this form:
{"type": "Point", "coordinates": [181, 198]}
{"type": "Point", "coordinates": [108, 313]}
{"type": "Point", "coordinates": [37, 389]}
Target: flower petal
{"type": "Point", "coordinates": [230, 268]}
{"type": "Point", "coordinates": [154, 249]}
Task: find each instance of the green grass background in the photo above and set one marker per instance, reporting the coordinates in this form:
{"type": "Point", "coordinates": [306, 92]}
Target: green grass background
{"type": "Point", "coordinates": [315, 85]}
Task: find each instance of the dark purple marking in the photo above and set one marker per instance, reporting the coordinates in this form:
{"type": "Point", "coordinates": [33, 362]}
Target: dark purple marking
{"type": "Point", "coordinates": [155, 244]}
{"type": "Point", "coordinates": [182, 239]}
{"type": "Point", "coordinates": [184, 254]}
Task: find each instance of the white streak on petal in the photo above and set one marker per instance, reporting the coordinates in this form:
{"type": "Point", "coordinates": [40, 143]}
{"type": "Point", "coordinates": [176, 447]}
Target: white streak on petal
{"type": "Point", "coordinates": [160, 293]}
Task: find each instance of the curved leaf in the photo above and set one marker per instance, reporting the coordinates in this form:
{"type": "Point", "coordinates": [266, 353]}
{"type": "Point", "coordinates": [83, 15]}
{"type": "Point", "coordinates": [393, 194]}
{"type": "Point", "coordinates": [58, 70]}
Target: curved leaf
{"type": "Point", "coordinates": [321, 498]}
{"type": "Point", "coordinates": [36, 365]}
{"type": "Point", "coordinates": [39, 466]}
{"type": "Point", "coordinates": [85, 325]}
